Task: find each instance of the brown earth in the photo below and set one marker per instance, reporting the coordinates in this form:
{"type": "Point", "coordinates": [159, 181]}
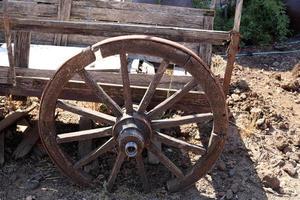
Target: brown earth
{"type": "Point", "coordinates": [261, 159]}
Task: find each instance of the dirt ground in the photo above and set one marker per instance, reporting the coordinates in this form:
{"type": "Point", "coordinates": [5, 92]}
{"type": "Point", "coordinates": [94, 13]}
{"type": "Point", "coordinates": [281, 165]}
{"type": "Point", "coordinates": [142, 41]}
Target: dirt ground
{"type": "Point", "coordinates": [261, 159]}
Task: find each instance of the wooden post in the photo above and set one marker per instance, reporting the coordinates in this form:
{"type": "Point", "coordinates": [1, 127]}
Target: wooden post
{"type": "Point", "coordinates": [64, 13]}
{"type": "Point", "coordinates": [205, 49]}
{"type": "Point", "coordinates": [85, 147]}
{"type": "Point", "coordinates": [8, 36]}
{"type": "Point", "coordinates": [22, 42]}
{"type": "Point", "coordinates": [233, 46]}
{"type": "Point", "coordinates": [2, 149]}
{"type": "Point", "coordinates": [213, 4]}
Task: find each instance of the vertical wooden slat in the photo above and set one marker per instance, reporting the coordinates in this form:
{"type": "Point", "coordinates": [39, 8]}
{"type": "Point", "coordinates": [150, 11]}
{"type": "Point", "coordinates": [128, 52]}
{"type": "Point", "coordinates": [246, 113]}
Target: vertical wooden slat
{"type": "Point", "coordinates": [22, 48]}
{"type": "Point", "coordinates": [8, 35]}
{"type": "Point", "coordinates": [205, 49]}
{"type": "Point", "coordinates": [64, 13]}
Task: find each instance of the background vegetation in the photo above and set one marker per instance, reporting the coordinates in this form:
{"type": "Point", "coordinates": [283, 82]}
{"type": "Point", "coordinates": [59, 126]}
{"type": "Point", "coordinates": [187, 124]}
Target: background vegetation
{"type": "Point", "coordinates": [263, 21]}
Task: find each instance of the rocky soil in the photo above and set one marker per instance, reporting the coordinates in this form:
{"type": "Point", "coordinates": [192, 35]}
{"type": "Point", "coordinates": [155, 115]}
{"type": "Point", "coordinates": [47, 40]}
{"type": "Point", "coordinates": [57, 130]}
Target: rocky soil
{"type": "Point", "coordinates": [261, 159]}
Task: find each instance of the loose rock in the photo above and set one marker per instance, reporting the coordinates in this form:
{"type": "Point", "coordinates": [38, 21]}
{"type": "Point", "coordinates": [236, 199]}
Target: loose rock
{"type": "Point", "coordinates": [235, 188]}
{"type": "Point", "coordinates": [229, 194]}
{"type": "Point", "coordinates": [271, 181]}
{"type": "Point", "coordinates": [221, 165]}
{"type": "Point", "coordinates": [290, 169]}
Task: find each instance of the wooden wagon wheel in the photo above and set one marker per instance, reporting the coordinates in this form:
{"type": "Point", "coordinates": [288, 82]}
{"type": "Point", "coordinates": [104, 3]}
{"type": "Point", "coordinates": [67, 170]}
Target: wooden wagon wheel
{"type": "Point", "coordinates": [132, 130]}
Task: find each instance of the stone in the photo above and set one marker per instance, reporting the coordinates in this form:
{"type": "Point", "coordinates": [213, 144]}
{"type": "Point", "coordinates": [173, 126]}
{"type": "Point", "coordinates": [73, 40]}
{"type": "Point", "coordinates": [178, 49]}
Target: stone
{"type": "Point", "coordinates": [280, 143]}
{"type": "Point", "coordinates": [221, 194]}
{"type": "Point", "coordinates": [283, 125]}
{"type": "Point", "coordinates": [235, 97]}
{"type": "Point", "coordinates": [221, 165]}
{"type": "Point", "coordinates": [293, 156]}
{"type": "Point", "coordinates": [231, 172]}
{"type": "Point", "coordinates": [290, 169]}
{"type": "Point", "coordinates": [32, 184]}
{"type": "Point", "coordinates": [276, 64]}
{"type": "Point", "coordinates": [257, 111]}
{"type": "Point", "coordinates": [229, 194]}
{"type": "Point", "coordinates": [260, 122]}
{"type": "Point", "coordinates": [243, 96]}
{"type": "Point", "coordinates": [235, 188]}
{"type": "Point", "coordinates": [277, 77]}
{"type": "Point", "coordinates": [271, 181]}
{"type": "Point", "coordinates": [287, 149]}
{"type": "Point", "coordinates": [30, 197]}
{"type": "Point", "coordinates": [243, 85]}
{"type": "Point", "coordinates": [237, 91]}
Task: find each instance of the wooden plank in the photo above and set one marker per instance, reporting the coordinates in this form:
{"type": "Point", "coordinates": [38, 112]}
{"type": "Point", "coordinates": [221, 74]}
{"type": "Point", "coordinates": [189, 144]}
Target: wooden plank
{"type": "Point", "coordinates": [13, 117]}
{"type": "Point", "coordinates": [30, 137]}
{"type": "Point", "coordinates": [30, 9]}
{"type": "Point", "coordinates": [125, 12]}
{"type": "Point", "coordinates": [135, 16]}
{"type": "Point", "coordinates": [64, 13]}
{"type": "Point", "coordinates": [193, 101]}
{"type": "Point", "coordinates": [116, 29]}
{"type": "Point", "coordinates": [150, 8]}
{"type": "Point", "coordinates": [102, 77]}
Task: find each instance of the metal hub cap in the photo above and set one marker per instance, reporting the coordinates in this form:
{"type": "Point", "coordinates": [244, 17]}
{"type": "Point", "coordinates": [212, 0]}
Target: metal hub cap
{"type": "Point", "coordinates": [132, 134]}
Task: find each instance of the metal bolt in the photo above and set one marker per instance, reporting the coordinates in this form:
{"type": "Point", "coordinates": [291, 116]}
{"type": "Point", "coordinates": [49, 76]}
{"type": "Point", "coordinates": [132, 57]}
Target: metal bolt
{"type": "Point", "coordinates": [131, 149]}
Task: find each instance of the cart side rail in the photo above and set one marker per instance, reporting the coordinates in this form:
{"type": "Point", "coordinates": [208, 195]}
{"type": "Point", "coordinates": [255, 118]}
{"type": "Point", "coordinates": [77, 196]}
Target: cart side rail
{"type": "Point", "coordinates": [107, 29]}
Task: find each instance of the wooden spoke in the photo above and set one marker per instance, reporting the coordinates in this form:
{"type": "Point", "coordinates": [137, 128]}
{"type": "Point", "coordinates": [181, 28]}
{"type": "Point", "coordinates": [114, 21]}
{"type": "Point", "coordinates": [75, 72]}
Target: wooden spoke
{"type": "Point", "coordinates": [142, 173]}
{"type": "Point", "coordinates": [153, 85]}
{"type": "Point", "coordinates": [101, 94]}
{"type": "Point", "coordinates": [163, 106]}
{"type": "Point", "coordinates": [126, 83]}
{"type": "Point", "coordinates": [166, 161]}
{"type": "Point", "coordinates": [95, 154]}
{"type": "Point", "coordinates": [117, 166]}
{"type": "Point", "coordinates": [84, 135]}
{"type": "Point", "coordinates": [166, 123]}
{"type": "Point", "coordinates": [91, 114]}
{"type": "Point", "coordinates": [174, 142]}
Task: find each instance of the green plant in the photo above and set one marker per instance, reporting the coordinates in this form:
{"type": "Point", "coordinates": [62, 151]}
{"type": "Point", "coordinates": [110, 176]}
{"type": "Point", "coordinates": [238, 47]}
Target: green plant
{"type": "Point", "coordinates": [201, 3]}
{"type": "Point", "coordinates": [263, 21]}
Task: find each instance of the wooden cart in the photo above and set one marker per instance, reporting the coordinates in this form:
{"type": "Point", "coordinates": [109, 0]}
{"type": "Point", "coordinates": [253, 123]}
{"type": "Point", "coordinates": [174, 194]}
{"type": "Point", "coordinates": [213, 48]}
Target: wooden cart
{"type": "Point", "coordinates": [136, 102]}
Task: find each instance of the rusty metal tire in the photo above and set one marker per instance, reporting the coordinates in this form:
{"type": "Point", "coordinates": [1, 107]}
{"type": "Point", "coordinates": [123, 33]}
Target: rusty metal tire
{"type": "Point", "coordinates": [140, 134]}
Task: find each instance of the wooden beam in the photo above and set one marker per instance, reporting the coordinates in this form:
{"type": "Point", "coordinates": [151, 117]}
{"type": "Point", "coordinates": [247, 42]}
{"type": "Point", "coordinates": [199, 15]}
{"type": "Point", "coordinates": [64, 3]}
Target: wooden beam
{"type": "Point", "coordinates": [101, 77]}
{"type": "Point", "coordinates": [13, 117]}
{"type": "Point", "coordinates": [193, 101]}
{"type": "Point", "coordinates": [64, 13]}
{"type": "Point", "coordinates": [30, 137]}
{"type": "Point", "coordinates": [117, 29]}
{"type": "Point", "coordinates": [125, 12]}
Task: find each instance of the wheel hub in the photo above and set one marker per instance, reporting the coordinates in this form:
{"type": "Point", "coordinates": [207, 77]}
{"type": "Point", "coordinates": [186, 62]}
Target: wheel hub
{"type": "Point", "coordinates": [132, 134]}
